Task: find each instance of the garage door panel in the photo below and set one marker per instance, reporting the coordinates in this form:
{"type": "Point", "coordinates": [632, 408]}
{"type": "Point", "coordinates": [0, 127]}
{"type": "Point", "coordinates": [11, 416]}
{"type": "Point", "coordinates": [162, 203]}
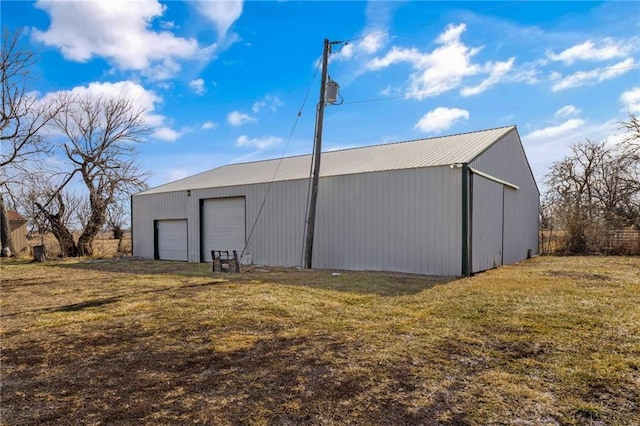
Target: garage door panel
{"type": "Point", "coordinates": [172, 239]}
{"type": "Point", "coordinates": [223, 225]}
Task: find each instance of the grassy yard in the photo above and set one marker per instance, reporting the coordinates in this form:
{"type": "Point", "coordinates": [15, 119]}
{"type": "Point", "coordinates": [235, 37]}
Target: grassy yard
{"type": "Point", "coordinates": [554, 340]}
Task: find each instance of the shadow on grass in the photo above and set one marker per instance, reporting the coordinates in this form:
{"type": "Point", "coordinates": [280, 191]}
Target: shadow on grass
{"type": "Point", "coordinates": [124, 376]}
{"type": "Point", "coordinates": [361, 282]}
{"type": "Point", "coordinates": [74, 307]}
{"type": "Point", "coordinates": [96, 303]}
{"type": "Point", "coordinates": [132, 265]}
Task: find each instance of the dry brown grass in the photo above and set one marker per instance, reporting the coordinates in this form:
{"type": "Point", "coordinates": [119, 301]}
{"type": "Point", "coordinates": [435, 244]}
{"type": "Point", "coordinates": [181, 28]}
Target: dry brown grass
{"type": "Point", "coordinates": [104, 246]}
{"type": "Point", "coordinates": [548, 341]}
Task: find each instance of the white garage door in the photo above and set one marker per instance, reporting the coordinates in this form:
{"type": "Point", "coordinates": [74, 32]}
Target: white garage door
{"type": "Point", "coordinates": [172, 239]}
{"type": "Point", "coordinates": [223, 226]}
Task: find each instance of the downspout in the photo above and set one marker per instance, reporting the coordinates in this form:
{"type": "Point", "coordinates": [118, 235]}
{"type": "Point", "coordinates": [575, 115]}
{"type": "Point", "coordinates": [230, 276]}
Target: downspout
{"type": "Point", "coordinates": [466, 264]}
{"type": "Point", "coordinates": [156, 248]}
{"type": "Point", "coordinates": [131, 221]}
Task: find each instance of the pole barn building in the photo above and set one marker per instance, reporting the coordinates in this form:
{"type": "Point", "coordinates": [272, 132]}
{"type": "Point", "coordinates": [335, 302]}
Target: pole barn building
{"type": "Point", "coordinates": [451, 205]}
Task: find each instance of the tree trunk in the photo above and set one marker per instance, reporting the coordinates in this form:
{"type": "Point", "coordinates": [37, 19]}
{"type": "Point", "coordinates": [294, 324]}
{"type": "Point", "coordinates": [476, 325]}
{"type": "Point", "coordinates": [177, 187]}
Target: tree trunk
{"type": "Point", "coordinates": [64, 237]}
{"type": "Point", "coordinates": [93, 226]}
{"type": "Point", "coordinates": [60, 231]}
{"type": "Point", "coordinates": [5, 231]}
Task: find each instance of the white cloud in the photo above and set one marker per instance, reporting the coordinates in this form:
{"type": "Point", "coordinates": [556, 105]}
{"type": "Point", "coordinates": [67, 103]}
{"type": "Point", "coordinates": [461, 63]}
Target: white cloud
{"type": "Point", "coordinates": [237, 118]}
{"type": "Point", "coordinates": [260, 143]}
{"type": "Point", "coordinates": [497, 72]}
{"type": "Point", "coordinates": [608, 48]}
{"type": "Point", "coordinates": [583, 78]}
{"type": "Point", "coordinates": [168, 25]}
{"type": "Point", "coordinates": [555, 75]}
{"type": "Point", "coordinates": [567, 110]}
{"type": "Point", "coordinates": [436, 72]}
{"type": "Point", "coordinates": [558, 131]}
{"type": "Point", "coordinates": [221, 13]}
{"type": "Point", "coordinates": [119, 31]}
{"type": "Point", "coordinates": [141, 97]}
{"type": "Point", "coordinates": [258, 105]}
{"type": "Point", "coordinates": [166, 134]}
{"type": "Point", "coordinates": [197, 86]}
{"type": "Point", "coordinates": [272, 102]}
{"type": "Point", "coordinates": [631, 100]}
{"type": "Point", "coordinates": [208, 125]}
{"type": "Point", "coordinates": [374, 35]}
{"type": "Point", "coordinates": [372, 43]}
{"type": "Point", "coordinates": [440, 119]}
{"type": "Point", "coordinates": [347, 51]}
{"type": "Point", "coordinates": [394, 56]}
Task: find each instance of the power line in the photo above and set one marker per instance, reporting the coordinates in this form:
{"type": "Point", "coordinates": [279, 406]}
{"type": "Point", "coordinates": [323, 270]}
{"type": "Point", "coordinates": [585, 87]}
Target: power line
{"type": "Point", "coordinates": [284, 151]}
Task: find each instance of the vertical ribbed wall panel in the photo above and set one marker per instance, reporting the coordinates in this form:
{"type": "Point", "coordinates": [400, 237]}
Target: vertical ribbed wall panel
{"type": "Point", "coordinates": [146, 209]}
{"type": "Point", "coordinates": [277, 237]}
{"type": "Point", "coordinates": [506, 160]}
{"type": "Point", "coordinates": [487, 224]}
{"type": "Point", "coordinates": [405, 220]}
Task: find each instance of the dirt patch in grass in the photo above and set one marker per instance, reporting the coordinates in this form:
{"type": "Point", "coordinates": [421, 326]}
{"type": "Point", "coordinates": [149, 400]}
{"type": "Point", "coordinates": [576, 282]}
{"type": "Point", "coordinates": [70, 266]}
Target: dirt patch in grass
{"type": "Point", "coordinates": [139, 342]}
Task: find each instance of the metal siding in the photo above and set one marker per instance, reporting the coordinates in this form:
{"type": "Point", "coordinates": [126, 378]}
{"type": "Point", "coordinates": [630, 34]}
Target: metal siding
{"type": "Point", "coordinates": [407, 221]}
{"type": "Point", "coordinates": [487, 224]}
{"type": "Point", "coordinates": [18, 235]}
{"type": "Point", "coordinates": [148, 208]}
{"type": "Point", "coordinates": [277, 235]}
{"type": "Point", "coordinates": [514, 233]}
{"type": "Point", "coordinates": [172, 239]}
{"type": "Point", "coordinates": [506, 160]}
{"type": "Point", "coordinates": [277, 238]}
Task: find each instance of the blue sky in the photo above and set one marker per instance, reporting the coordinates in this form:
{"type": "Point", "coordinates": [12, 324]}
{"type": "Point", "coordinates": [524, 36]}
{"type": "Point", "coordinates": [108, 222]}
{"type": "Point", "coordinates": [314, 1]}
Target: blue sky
{"type": "Point", "coordinates": [223, 82]}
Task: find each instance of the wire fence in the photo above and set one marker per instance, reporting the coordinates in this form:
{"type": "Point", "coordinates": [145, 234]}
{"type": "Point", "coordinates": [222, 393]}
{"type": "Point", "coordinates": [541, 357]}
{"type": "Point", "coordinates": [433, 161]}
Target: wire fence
{"type": "Point", "coordinates": [597, 241]}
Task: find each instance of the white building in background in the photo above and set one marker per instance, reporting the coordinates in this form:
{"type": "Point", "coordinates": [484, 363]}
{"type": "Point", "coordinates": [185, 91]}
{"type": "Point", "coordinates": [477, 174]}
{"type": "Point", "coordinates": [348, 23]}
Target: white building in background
{"type": "Point", "coordinates": [450, 205]}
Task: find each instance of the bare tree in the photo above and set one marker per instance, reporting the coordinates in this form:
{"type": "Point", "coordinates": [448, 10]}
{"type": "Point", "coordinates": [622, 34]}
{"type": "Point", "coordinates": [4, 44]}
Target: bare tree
{"type": "Point", "coordinates": [5, 231]}
{"type": "Point", "coordinates": [629, 207]}
{"type": "Point", "coordinates": [22, 119]}
{"type": "Point", "coordinates": [99, 143]}
{"type": "Point", "coordinates": [58, 224]}
{"type": "Point", "coordinates": [632, 127]}
{"type": "Point", "coordinates": [116, 220]}
{"type": "Point", "coordinates": [596, 189]}
{"type": "Point", "coordinates": [570, 183]}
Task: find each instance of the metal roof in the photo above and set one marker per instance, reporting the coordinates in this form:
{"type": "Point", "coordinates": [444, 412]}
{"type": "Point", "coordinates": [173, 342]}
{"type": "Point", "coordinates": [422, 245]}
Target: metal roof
{"type": "Point", "coordinates": [15, 216]}
{"type": "Point", "coordinates": [438, 151]}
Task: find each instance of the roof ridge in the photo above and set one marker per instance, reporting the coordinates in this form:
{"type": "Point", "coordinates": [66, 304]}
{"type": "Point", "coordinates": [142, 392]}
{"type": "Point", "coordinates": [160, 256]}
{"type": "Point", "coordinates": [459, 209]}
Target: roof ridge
{"type": "Point", "coordinates": [417, 140]}
{"type": "Point", "coordinates": [365, 146]}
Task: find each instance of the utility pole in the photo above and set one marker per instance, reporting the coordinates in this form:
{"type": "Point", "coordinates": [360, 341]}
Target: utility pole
{"type": "Point", "coordinates": [317, 144]}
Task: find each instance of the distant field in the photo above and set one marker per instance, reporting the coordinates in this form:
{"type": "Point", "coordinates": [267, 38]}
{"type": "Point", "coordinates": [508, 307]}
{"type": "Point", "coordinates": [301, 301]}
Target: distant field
{"type": "Point", "coordinates": [104, 245]}
{"type": "Point", "coordinates": [554, 340]}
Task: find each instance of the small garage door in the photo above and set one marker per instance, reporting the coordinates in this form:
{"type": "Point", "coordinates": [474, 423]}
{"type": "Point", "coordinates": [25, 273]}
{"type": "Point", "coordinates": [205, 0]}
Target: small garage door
{"type": "Point", "coordinates": [223, 225]}
{"type": "Point", "coordinates": [171, 239]}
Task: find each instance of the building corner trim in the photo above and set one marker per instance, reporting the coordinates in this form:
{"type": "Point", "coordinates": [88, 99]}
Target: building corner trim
{"type": "Point", "coordinates": [465, 221]}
